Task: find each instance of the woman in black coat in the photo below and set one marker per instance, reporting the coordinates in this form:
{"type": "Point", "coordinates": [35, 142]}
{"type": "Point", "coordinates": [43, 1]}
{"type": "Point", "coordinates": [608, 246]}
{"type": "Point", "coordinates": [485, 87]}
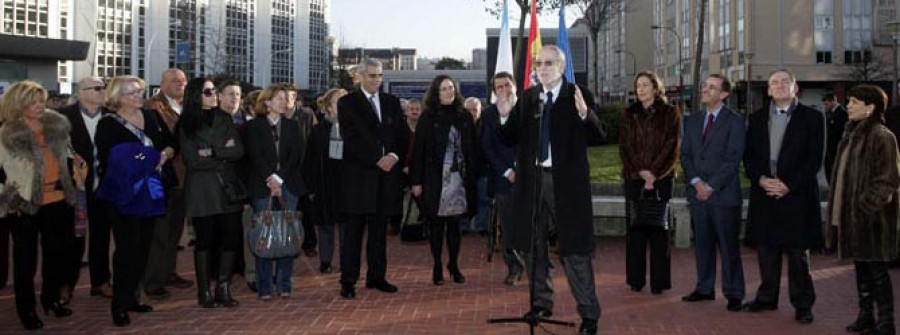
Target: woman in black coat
{"type": "Point", "coordinates": [322, 173]}
{"type": "Point", "coordinates": [441, 170]}
{"type": "Point", "coordinates": [211, 147]}
{"type": "Point", "coordinates": [129, 123]}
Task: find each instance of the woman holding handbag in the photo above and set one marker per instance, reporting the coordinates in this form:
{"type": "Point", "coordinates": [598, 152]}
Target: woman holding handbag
{"type": "Point", "coordinates": [36, 196]}
{"type": "Point", "coordinates": [322, 172]}
{"type": "Point", "coordinates": [649, 143]}
{"type": "Point", "coordinates": [213, 193]}
{"type": "Point", "coordinates": [441, 171]}
{"type": "Point", "coordinates": [274, 154]}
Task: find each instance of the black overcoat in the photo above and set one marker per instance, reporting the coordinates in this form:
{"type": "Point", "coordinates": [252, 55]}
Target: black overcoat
{"type": "Point", "coordinates": [262, 159]}
{"type": "Point", "coordinates": [569, 135]}
{"type": "Point", "coordinates": [427, 163]}
{"type": "Point", "coordinates": [364, 186]}
{"type": "Point", "coordinates": [795, 220]}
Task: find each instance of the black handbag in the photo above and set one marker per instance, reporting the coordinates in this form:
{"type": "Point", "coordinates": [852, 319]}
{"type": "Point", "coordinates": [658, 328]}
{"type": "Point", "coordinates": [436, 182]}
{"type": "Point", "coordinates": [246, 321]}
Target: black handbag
{"type": "Point", "coordinates": [412, 231]}
{"type": "Point", "coordinates": [649, 210]}
{"type": "Point", "coordinates": [234, 189]}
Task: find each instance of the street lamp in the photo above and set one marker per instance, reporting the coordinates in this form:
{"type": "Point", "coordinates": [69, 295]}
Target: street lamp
{"type": "Point", "coordinates": [680, 63]}
{"type": "Point", "coordinates": [894, 27]}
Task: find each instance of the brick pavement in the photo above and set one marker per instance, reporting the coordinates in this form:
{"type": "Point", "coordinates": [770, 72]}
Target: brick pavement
{"type": "Point", "coordinates": [421, 308]}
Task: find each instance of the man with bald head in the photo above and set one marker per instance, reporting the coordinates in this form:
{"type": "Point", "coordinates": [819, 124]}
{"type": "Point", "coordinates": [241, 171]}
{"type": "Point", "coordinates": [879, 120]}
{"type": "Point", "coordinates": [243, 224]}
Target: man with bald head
{"type": "Point", "coordinates": [84, 115]}
{"type": "Point", "coordinates": [163, 248]}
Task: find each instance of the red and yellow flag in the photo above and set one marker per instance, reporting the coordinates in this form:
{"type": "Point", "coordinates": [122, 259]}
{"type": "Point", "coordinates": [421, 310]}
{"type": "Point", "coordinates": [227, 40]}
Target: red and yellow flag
{"type": "Point", "coordinates": [534, 46]}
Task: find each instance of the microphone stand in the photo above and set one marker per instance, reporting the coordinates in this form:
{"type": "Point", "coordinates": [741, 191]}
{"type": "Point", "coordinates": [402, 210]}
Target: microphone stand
{"type": "Point", "coordinates": [530, 318]}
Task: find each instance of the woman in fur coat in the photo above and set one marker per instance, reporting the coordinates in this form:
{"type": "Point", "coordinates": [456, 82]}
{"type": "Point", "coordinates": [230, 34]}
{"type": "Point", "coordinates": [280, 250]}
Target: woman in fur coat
{"type": "Point", "coordinates": [863, 205]}
{"type": "Point", "coordinates": [37, 196]}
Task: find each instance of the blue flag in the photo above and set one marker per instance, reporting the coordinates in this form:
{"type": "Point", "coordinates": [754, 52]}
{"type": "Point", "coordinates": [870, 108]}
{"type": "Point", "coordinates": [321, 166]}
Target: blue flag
{"type": "Point", "coordinates": [563, 43]}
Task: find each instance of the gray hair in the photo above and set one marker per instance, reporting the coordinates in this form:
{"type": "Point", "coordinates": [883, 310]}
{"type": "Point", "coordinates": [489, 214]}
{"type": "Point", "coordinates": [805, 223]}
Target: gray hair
{"type": "Point", "coordinates": [366, 62]}
{"type": "Point", "coordinates": [472, 101]}
{"type": "Point", "coordinates": [85, 80]}
{"type": "Point", "coordinates": [559, 53]}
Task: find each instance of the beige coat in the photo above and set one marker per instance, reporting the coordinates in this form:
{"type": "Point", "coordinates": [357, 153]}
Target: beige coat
{"type": "Point", "coordinates": [22, 160]}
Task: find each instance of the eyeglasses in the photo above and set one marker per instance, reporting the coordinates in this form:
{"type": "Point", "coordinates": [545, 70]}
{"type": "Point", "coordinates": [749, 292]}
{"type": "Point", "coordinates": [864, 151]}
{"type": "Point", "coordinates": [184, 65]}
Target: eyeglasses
{"type": "Point", "coordinates": [136, 93]}
{"type": "Point", "coordinates": [374, 75]}
{"type": "Point", "coordinates": [539, 63]}
{"type": "Point", "coordinates": [95, 88]}
{"type": "Point", "coordinates": [209, 91]}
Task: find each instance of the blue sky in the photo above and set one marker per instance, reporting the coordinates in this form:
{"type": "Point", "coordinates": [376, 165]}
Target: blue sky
{"type": "Point", "coordinates": [435, 28]}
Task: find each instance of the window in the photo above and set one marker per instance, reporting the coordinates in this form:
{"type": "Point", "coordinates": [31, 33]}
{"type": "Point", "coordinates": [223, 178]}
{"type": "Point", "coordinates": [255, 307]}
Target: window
{"type": "Point", "coordinates": [824, 30]}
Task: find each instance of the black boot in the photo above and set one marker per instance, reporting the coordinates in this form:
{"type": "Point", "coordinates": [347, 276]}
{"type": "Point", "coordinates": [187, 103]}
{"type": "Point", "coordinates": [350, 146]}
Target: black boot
{"type": "Point", "coordinates": [866, 318]}
{"type": "Point", "coordinates": [223, 289]}
{"type": "Point", "coordinates": [201, 265]}
{"type": "Point", "coordinates": [883, 294]}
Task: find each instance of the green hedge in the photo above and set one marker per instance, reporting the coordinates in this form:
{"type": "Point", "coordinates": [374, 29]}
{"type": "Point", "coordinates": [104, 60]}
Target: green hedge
{"type": "Point", "coordinates": [611, 117]}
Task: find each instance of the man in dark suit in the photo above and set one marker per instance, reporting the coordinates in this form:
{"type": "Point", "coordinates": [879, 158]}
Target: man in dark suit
{"type": "Point", "coordinates": [558, 161]}
{"type": "Point", "coordinates": [785, 144]}
{"type": "Point", "coordinates": [501, 159]}
{"type": "Point", "coordinates": [711, 152]}
{"type": "Point", "coordinates": [374, 136]}
{"type": "Point", "coordinates": [836, 117]}
{"type": "Point", "coordinates": [84, 116]}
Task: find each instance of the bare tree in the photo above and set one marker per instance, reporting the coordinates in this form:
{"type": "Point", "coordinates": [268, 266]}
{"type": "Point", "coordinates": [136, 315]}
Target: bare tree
{"type": "Point", "coordinates": [867, 69]}
{"type": "Point", "coordinates": [698, 55]}
{"type": "Point", "coordinates": [495, 8]}
{"type": "Point", "coordinates": [216, 60]}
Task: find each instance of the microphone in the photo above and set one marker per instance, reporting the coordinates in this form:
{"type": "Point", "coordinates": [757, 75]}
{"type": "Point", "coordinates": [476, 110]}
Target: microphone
{"type": "Point", "coordinates": [540, 110]}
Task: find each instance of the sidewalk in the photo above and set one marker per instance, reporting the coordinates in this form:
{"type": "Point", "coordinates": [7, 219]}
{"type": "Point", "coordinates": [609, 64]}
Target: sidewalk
{"type": "Point", "coordinates": [421, 308]}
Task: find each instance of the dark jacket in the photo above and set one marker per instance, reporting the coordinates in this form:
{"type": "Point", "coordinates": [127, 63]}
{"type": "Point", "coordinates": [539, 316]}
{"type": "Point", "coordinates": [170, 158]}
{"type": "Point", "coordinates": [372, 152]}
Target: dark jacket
{"type": "Point", "coordinates": [427, 164]}
{"type": "Point", "coordinates": [650, 139]}
{"type": "Point", "coordinates": [110, 133]}
{"type": "Point", "coordinates": [81, 139]}
{"type": "Point", "coordinates": [322, 175]}
{"type": "Point", "coordinates": [716, 161]}
{"type": "Point", "coordinates": [263, 160]}
{"type": "Point", "coordinates": [168, 116]}
{"type": "Point", "coordinates": [865, 198]}
{"type": "Point", "coordinates": [569, 135]}
{"type": "Point", "coordinates": [795, 220]}
{"type": "Point", "coordinates": [203, 185]}
{"type": "Point", "coordinates": [499, 155]}
{"type": "Point", "coordinates": [366, 140]}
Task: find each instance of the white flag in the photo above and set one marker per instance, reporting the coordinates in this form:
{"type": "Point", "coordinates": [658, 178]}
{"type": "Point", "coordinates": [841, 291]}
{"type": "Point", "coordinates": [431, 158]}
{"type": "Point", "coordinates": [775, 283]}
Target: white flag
{"type": "Point", "coordinates": [504, 49]}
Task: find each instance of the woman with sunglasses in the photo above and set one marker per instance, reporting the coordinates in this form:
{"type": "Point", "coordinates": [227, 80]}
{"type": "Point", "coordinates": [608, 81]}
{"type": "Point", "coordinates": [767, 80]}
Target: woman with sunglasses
{"type": "Point", "coordinates": [210, 146]}
{"type": "Point", "coordinates": [274, 153]}
{"type": "Point", "coordinates": [132, 213]}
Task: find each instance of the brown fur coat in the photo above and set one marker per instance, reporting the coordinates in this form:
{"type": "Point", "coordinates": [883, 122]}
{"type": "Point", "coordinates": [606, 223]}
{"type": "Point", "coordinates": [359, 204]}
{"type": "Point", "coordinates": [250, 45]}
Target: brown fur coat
{"type": "Point", "coordinates": [865, 194]}
{"type": "Point", "coordinates": [650, 139]}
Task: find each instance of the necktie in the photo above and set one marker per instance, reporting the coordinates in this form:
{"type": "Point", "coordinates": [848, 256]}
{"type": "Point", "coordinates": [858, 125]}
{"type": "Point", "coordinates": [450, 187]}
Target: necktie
{"type": "Point", "coordinates": [545, 127]}
{"type": "Point", "coordinates": [709, 122]}
{"type": "Point", "coordinates": [375, 107]}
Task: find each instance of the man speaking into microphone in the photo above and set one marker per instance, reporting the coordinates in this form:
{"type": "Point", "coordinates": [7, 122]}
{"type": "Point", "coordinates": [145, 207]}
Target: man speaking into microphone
{"type": "Point", "coordinates": [550, 127]}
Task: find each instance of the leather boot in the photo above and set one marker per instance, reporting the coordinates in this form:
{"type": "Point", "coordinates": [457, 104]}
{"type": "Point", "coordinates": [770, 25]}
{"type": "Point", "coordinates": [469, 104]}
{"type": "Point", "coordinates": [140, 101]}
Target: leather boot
{"type": "Point", "coordinates": [223, 288]}
{"type": "Point", "coordinates": [866, 317]}
{"type": "Point", "coordinates": [883, 294]}
{"type": "Point", "coordinates": [201, 266]}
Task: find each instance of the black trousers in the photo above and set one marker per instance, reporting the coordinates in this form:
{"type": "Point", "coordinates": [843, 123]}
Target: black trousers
{"type": "Point", "coordinates": [636, 240]}
{"type": "Point", "coordinates": [437, 225]}
{"type": "Point", "coordinates": [164, 244]}
{"type": "Point", "coordinates": [800, 284]}
{"type": "Point", "coordinates": [351, 248]}
{"type": "Point", "coordinates": [579, 268]}
{"type": "Point", "coordinates": [73, 261]}
{"type": "Point", "coordinates": [310, 240]}
{"type": "Point", "coordinates": [132, 237]}
{"type": "Point", "coordinates": [4, 250]}
{"type": "Point", "coordinates": [220, 232]}
{"type": "Point", "coordinates": [55, 224]}
{"type": "Point", "coordinates": [98, 241]}
{"type": "Point", "coordinates": [514, 263]}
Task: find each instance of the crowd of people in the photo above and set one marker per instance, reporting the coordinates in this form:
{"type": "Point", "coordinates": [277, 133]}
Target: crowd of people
{"type": "Point", "coordinates": [114, 165]}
